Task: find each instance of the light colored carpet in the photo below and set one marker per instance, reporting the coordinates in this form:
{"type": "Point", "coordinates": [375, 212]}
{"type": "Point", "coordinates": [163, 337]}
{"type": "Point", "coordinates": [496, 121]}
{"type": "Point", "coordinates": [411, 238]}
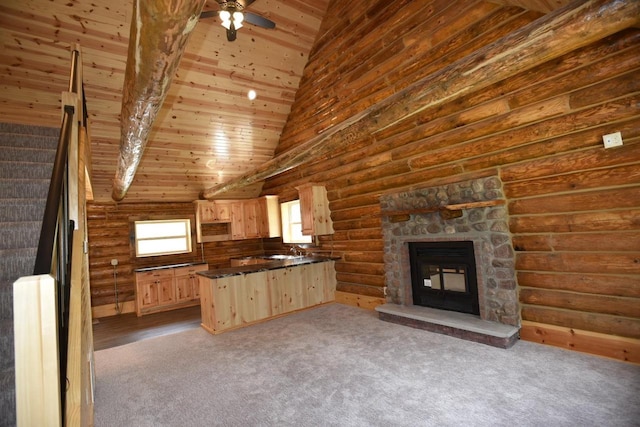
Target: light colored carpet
{"type": "Point", "coordinates": [337, 365]}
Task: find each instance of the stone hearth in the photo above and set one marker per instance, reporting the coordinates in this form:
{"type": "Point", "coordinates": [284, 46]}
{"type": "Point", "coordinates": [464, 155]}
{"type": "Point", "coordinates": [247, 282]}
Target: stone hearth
{"type": "Point", "coordinates": [485, 226]}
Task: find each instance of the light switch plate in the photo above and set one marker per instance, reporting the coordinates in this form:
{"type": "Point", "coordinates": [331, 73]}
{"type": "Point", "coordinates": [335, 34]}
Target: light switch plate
{"type": "Point", "coordinates": [612, 140]}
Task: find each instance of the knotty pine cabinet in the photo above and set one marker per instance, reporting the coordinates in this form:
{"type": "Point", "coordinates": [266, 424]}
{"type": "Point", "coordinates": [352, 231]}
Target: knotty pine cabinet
{"type": "Point", "coordinates": [237, 219]}
{"type": "Point", "coordinates": [245, 219]}
{"type": "Point", "coordinates": [314, 208]}
{"type": "Point", "coordinates": [255, 218]}
{"type": "Point", "coordinates": [186, 280]}
{"type": "Point", "coordinates": [271, 224]}
{"type": "Point", "coordinates": [218, 213]}
{"type": "Point", "coordinates": [214, 211]}
{"type": "Point", "coordinates": [233, 301]}
{"type": "Point", "coordinates": [170, 288]}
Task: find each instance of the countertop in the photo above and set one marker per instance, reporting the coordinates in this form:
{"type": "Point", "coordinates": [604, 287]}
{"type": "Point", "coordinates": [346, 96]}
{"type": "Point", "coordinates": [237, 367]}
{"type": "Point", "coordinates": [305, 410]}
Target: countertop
{"type": "Point", "coordinates": [265, 266]}
{"type": "Point", "coordinates": [160, 267]}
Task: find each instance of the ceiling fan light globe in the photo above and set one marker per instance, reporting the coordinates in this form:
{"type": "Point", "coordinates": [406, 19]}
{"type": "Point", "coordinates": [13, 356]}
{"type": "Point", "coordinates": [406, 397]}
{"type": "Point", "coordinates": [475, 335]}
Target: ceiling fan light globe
{"type": "Point", "coordinates": [238, 17]}
{"type": "Point", "coordinates": [225, 15]}
{"type": "Point", "coordinates": [226, 24]}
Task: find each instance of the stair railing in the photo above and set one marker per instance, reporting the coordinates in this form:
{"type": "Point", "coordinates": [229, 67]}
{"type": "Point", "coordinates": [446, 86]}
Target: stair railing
{"type": "Point", "coordinates": [52, 309]}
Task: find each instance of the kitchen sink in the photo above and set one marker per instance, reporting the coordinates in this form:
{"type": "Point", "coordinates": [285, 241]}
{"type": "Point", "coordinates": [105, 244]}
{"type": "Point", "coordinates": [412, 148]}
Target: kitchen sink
{"type": "Point", "coordinates": [281, 256]}
{"type": "Point", "coordinates": [262, 259]}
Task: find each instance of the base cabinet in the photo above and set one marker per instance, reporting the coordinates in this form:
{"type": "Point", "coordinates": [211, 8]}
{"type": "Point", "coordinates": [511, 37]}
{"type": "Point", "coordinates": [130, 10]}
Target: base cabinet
{"type": "Point", "coordinates": [167, 288]}
{"type": "Point", "coordinates": [234, 301]}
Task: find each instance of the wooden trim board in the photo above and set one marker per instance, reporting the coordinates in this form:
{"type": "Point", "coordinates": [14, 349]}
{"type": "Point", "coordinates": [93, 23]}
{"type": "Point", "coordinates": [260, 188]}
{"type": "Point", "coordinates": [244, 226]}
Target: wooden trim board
{"type": "Point", "coordinates": [615, 347]}
{"type": "Point", "coordinates": [108, 310]}
{"type": "Point", "coordinates": [362, 301]}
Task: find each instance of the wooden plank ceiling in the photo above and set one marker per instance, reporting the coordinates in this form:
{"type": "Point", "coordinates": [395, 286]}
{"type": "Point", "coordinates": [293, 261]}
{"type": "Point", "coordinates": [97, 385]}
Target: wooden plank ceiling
{"type": "Point", "coordinates": [208, 131]}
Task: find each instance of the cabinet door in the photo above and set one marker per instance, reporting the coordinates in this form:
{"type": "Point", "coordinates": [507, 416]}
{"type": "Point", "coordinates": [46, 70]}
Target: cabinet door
{"type": "Point", "coordinates": [245, 219]}
{"type": "Point", "coordinates": [252, 219]}
{"type": "Point", "coordinates": [184, 288]}
{"type": "Point", "coordinates": [237, 221]}
{"type": "Point", "coordinates": [270, 224]}
{"type": "Point", "coordinates": [222, 211]}
{"type": "Point", "coordinates": [147, 295]}
{"type": "Point", "coordinates": [150, 289]}
{"type": "Point", "coordinates": [216, 211]}
{"type": "Point", "coordinates": [314, 207]}
{"type": "Point", "coordinates": [187, 285]}
{"type": "Point", "coordinates": [166, 291]}
{"type": "Point", "coordinates": [207, 212]}
{"type": "Point", "coordinates": [306, 210]}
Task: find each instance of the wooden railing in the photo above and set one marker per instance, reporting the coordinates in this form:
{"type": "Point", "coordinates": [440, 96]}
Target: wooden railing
{"type": "Point", "coordinates": [52, 313]}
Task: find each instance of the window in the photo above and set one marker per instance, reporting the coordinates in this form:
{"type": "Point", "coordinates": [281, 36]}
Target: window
{"type": "Point", "coordinates": [292, 223]}
{"type": "Point", "coordinates": [162, 237]}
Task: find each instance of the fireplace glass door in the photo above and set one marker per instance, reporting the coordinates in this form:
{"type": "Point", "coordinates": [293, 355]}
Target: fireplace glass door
{"type": "Point", "coordinates": [443, 275]}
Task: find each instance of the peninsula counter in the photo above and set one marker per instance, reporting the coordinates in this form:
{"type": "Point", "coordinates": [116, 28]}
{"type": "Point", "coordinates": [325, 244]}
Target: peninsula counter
{"type": "Point", "coordinates": [234, 297]}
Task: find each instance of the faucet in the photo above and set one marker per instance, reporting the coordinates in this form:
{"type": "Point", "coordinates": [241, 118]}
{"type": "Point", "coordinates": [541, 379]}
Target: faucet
{"type": "Point", "coordinates": [296, 250]}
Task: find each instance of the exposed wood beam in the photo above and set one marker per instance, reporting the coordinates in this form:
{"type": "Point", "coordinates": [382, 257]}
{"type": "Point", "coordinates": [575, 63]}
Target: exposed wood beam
{"type": "Point", "coordinates": [562, 31]}
{"type": "Point", "coordinates": [159, 33]}
{"type": "Point", "coordinates": [544, 6]}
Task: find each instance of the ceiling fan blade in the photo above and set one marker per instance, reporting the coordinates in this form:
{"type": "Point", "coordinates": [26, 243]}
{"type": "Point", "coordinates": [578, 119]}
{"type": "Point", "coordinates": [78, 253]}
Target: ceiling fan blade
{"type": "Point", "coordinates": [258, 20]}
{"type": "Point", "coordinates": [208, 14]}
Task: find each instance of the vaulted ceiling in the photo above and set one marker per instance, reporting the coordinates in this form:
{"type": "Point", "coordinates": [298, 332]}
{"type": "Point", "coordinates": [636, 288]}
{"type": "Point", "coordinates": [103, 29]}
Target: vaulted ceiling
{"type": "Point", "coordinates": [207, 131]}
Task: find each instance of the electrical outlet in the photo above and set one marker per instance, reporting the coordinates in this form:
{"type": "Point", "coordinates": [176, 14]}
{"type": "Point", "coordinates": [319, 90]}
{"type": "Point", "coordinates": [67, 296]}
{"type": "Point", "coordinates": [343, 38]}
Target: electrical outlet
{"type": "Point", "coordinates": [612, 140]}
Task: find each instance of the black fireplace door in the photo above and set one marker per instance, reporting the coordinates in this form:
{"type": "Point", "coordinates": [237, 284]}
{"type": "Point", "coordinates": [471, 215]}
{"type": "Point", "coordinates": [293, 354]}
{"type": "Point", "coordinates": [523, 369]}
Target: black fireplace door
{"type": "Point", "coordinates": [443, 276]}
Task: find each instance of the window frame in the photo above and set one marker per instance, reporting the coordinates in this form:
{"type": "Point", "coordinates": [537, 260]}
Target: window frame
{"type": "Point", "coordinates": [186, 222]}
{"type": "Point", "coordinates": [287, 224]}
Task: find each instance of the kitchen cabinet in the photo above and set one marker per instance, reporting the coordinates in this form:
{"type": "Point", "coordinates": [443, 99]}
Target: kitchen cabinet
{"type": "Point", "coordinates": [147, 294]}
{"type": "Point", "coordinates": [271, 225]}
{"type": "Point", "coordinates": [255, 218]}
{"type": "Point", "coordinates": [231, 301]}
{"type": "Point", "coordinates": [237, 219]}
{"type": "Point", "coordinates": [166, 292]}
{"type": "Point", "coordinates": [186, 280]}
{"type": "Point", "coordinates": [215, 213]}
{"type": "Point", "coordinates": [167, 288]}
{"type": "Point", "coordinates": [245, 219]}
{"type": "Point", "coordinates": [149, 287]}
{"type": "Point", "coordinates": [314, 209]}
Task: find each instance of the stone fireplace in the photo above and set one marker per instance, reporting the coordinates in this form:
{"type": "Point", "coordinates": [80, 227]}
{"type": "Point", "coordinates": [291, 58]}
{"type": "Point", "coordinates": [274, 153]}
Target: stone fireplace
{"type": "Point", "coordinates": [471, 211]}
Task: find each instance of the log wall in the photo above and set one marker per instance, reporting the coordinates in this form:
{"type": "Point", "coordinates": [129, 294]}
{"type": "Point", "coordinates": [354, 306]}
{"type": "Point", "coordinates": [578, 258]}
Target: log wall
{"type": "Point", "coordinates": [574, 206]}
{"type": "Point", "coordinates": [110, 238]}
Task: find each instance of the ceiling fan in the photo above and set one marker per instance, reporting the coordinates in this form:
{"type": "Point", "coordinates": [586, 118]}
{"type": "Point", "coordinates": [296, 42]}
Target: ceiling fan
{"type": "Point", "coordinates": [232, 14]}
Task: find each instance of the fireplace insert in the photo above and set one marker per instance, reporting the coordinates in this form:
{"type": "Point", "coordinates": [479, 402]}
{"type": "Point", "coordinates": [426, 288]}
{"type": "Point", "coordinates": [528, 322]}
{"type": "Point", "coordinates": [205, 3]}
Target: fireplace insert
{"type": "Point", "coordinates": [443, 276]}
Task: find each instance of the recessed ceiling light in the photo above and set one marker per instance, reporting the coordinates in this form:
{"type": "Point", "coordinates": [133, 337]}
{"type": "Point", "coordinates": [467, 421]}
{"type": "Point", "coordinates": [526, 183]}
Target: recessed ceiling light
{"type": "Point", "coordinates": [251, 94]}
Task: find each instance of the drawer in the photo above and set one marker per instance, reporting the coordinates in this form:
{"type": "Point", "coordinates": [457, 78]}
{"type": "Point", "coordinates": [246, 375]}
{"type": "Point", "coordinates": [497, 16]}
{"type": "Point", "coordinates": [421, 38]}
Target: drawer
{"type": "Point", "coordinates": [164, 273]}
{"type": "Point", "coordinates": [191, 269]}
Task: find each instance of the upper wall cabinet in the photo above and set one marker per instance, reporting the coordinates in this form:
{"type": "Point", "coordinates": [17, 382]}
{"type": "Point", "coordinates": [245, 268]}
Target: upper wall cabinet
{"type": "Point", "coordinates": [255, 218]}
{"type": "Point", "coordinates": [215, 211]}
{"type": "Point", "coordinates": [237, 219]}
{"type": "Point", "coordinates": [270, 215]}
{"type": "Point", "coordinates": [212, 220]}
{"type": "Point", "coordinates": [245, 219]}
{"type": "Point", "coordinates": [314, 207]}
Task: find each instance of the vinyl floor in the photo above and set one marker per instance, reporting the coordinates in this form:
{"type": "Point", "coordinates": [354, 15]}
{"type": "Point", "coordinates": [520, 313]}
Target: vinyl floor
{"type": "Point", "coordinates": [127, 328]}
